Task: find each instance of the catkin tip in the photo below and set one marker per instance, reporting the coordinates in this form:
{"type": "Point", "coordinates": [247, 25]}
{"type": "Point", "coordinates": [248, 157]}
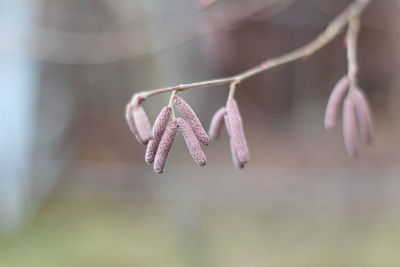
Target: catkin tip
{"type": "Point", "coordinates": [151, 151]}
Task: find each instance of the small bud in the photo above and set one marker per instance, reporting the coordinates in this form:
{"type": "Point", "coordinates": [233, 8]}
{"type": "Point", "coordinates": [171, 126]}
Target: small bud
{"type": "Point", "coordinates": [216, 124]}
{"type": "Point", "coordinates": [194, 122]}
{"type": "Point", "coordinates": [334, 102]}
{"type": "Point", "coordinates": [235, 125]}
{"type": "Point", "coordinates": [158, 129]}
{"type": "Point", "coordinates": [306, 58]}
{"type": "Point", "coordinates": [350, 127]}
{"type": "Point", "coordinates": [363, 113]}
{"type": "Point", "coordinates": [164, 147]}
{"type": "Point", "coordinates": [192, 142]}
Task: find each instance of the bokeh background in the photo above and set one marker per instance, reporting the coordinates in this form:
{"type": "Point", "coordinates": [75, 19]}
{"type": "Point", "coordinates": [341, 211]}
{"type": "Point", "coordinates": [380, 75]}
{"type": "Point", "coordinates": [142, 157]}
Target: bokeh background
{"type": "Point", "coordinates": [74, 188]}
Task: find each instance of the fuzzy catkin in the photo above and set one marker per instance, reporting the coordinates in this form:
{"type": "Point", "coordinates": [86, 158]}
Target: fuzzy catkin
{"type": "Point", "coordinates": [216, 124]}
{"type": "Point", "coordinates": [165, 146]}
{"type": "Point", "coordinates": [236, 131]}
{"type": "Point", "coordinates": [151, 151]}
{"type": "Point", "coordinates": [235, 159]}
{"type": "Point", "coordinates": [363, 113]}
{"type": "Point", "coordinates": [334, 102]}
{"type": "Point", "coordinates": [194, 122]}
{"type": "Point", "coordinates": [139, 123]}
{"type": "Point", "coordinates": [158, 129]}
{"type": "Point", "coordinates": [350, 127]}
{"type": "Point", "coordinates": [192, 142]}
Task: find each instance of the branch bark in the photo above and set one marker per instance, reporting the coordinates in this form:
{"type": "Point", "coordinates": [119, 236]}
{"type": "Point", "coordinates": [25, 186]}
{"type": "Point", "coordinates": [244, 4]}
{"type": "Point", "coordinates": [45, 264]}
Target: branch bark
{"type": "Point", "coordinates": [351, 13]}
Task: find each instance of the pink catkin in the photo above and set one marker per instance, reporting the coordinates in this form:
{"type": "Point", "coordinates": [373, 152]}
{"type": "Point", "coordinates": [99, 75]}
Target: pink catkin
{"type": "Point", "coordinates": [158, 129]}
{"type": "Point", "coordinates": [350, 127]}
{"type": "Point", "coordinates": [151, 151]}
{"type": "Point", "coordinates": [138, 122]}
{"type": "Point", "coordinates": [334, 102]}
{"type": "Point", "coordinates": [216, 124]}
{"type": "Point", "coordinates": [194, 122]}
{"type": "Point", "coordinates": [131, 121]}
{"type": "Point", "coordinates": [235, 126]}
{"type": "Point", "coordinates": [235, 159]}
{"type": "Point", "coordinates": [164, 147]}
{"type": "Point", "coordinates": [363, 113]}
{"type": "Point", "coordinates": [192, 142]}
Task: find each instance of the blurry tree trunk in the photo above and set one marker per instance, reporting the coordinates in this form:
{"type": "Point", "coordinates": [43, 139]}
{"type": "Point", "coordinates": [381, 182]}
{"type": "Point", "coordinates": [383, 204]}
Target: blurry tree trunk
{"type": "Point", "coordinates": [18, 83]}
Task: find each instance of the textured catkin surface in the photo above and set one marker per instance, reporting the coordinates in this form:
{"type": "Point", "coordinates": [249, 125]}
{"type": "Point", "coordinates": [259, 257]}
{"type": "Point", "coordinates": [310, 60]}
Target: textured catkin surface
{"type": "Point", "coordinates": [158, 130]}
{"type": "Point", "coordinates": [194, 122]}
{"type": "Point", "coordinates": [192, 142]}
{"type": "Point", "coordinates": [350, 127]}
{"type": "Point", "coordinates": [363, 113]}
{"type": "Point", "coordinates": [151, 151]}
{"type": "Point", "coordinates": [216, 124]}
{"type": "Point", "coordinates": [235, 158]}
{"type": "Point", "coordinates": [164, 147]}
{"type": "Point", "coordinates": [236, 131]}
{"type": "Point", "coordinates": [234, 154]}
{"type": "Point", "coordinates": [335, 101]}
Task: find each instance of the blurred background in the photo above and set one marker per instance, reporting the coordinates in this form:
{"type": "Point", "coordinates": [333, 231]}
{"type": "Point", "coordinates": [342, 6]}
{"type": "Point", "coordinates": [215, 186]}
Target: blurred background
{"type": "Point", "coordinates": [74, 188]}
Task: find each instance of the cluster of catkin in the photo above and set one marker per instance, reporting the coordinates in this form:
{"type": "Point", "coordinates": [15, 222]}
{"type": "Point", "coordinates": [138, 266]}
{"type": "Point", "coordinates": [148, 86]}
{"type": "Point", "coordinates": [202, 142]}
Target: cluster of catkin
{"type": "Point", "coordinates": [357, 121]}
{"type": "Point", "coordinates": [160, 137]}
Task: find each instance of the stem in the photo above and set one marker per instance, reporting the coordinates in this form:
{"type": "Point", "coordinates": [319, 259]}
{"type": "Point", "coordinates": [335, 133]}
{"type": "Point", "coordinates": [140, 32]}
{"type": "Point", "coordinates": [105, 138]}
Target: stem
{"type": "Point", "coordinates": [351, 42]}
{"type": "Point", "coordinates": [171, 105]}
{"type": "Point", "coordinates": [349, 15]}
{"type": "Point", "coordinates": [232, 89]}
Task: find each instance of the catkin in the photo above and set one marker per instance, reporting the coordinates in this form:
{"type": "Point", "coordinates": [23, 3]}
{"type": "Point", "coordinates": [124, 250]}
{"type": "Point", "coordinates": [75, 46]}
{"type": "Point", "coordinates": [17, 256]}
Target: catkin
{"type": "Point", "coordinates": [194, 122]}
{"type": "Point", "coordinates": [350, 127]}
{"type": "Point", "coordinates": [164, 147]}
{"type": "Point", "coordinates": [363, 113]}
{"type": "Point", "coordinates": [216, 124]}
{"type": "Point", "coordinates": [158, 129]}
{"type": "Point", "coordinates": [235, 159]}
{"type": "Point", "coordinates": [139, 123]}
{"type": "Point", "coordinates": [192, 142]}
{"type": "Point", "coordinates": [334, 102]}
{"type": "Point", "coordinates": [236, 131]}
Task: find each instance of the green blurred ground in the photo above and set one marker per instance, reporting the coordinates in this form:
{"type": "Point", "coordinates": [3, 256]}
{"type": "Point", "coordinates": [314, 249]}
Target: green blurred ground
{"type": "Point", "coordinates": [98, 234]}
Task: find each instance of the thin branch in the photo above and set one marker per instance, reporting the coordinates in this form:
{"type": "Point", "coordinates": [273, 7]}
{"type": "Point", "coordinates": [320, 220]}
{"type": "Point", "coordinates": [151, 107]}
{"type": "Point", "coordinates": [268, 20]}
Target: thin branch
{"type": "Point", "coordinates": [352, 12]}
{"type": "Point", "coordinates": [171, 105]}
{"type": "Point", "coordinates": [351, 43]}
